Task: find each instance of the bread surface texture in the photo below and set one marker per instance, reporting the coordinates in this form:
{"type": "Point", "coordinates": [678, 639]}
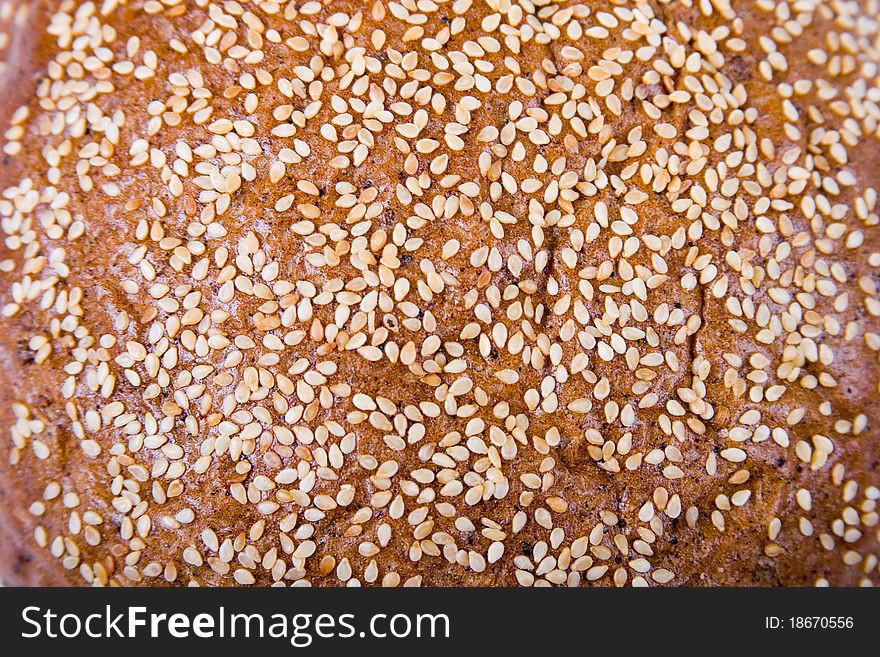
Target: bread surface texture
{"type": "Point", "coordinates": [440, 293]}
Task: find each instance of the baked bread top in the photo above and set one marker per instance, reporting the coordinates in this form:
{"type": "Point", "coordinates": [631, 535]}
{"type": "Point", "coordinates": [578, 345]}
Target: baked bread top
{"type": "Point", "coordinates": [425, 292]}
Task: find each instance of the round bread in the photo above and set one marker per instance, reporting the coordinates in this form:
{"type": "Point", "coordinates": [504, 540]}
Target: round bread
{"type": "Point", "coordinates": [440, 292]}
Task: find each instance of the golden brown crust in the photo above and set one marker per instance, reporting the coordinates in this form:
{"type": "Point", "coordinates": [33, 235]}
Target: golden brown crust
{"type": "Point", "coordinates": [440, 293]}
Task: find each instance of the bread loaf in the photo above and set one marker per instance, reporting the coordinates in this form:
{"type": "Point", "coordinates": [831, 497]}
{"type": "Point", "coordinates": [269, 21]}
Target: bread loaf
{"type": "Point", "coordinates": [440, 292]}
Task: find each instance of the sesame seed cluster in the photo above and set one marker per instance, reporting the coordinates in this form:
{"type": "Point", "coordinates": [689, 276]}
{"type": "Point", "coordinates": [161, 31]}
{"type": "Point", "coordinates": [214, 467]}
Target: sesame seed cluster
{"type": "Point", "coordinates": [440, 292]}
